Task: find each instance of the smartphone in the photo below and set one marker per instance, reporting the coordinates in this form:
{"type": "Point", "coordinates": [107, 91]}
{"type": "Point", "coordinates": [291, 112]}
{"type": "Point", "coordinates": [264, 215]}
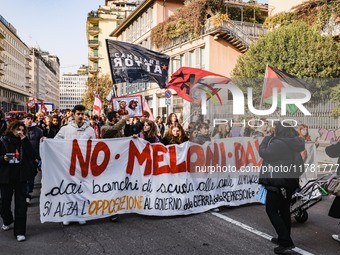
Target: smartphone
{"type": "Point", "coordinates": [10, 155]}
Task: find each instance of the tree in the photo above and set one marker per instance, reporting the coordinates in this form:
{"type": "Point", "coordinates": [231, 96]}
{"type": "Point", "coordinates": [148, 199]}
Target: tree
{"type": "Point", "coordinates": [297, 49]}
{"type": "Point", "coordinates": [104, 88]}
{"type": "Point", "coordinates": [313, 12]}
{"type": "Point", "coordinates": [335, 95]}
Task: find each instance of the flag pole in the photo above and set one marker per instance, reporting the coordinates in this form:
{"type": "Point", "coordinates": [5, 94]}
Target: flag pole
{"type": "Point", "coordinates": [264, 84]}
{"type": "Point", "coordinates": [114, 90]}
{"type": "Point", "coordinates": [188, 117]}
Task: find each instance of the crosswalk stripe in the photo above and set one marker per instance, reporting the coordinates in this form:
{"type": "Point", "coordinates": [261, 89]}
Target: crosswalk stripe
{"type": "Point", "coordinates": [255, 231]}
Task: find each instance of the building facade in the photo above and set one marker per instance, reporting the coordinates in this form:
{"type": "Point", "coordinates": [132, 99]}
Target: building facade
{"type": "Point", "coordinates": [216, 50]}
{"type": "Point", "coordinates": [45, 73]}
{"type": "Point", "coordinates": [99, 25]}
{"type": "Point", "coordinates": [137, 29]}
{"type": "Point", "coordinates": [72, 89]}
{"type": "Point", "coordinates": [15, 80]}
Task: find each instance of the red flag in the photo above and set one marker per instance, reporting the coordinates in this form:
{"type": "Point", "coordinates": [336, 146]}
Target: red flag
{"type": "Point", "coordinates": [43, 108]}
{"type": "Point", "coordinates": [147, 108]}
{"type": "Point", "coordinates": [30, 103]}
{"type": "Point", "coordinates": [186, 80]}
{"type": "Point", "coordinates": [97, 105]}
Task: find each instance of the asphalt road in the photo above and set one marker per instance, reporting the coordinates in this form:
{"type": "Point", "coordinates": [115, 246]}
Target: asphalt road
{"type": "Point", "coordinates": [206, 233]}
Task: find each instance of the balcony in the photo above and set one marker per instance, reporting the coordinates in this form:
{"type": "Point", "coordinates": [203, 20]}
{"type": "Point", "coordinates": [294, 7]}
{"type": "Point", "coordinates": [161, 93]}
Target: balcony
{"type": "Point", "coordinates": [94, 57]}
{"type": "Point", "coordinates": [2, 34]}
{"type": "Point", "coordinates": [93, 43]}
{"type": "Point", "coordinates": [28, 76]}
{"type": "Point", "coordinates": [28, 67]}
{"type": "Point", "coordinates": [2, 71]}
{"type": "Point", "coordinates": [2, 45]}
{"type": "Point", "coordinates": [93, 30]}
{"type": "Point", "coordinates": [237, 33]}
{"type": "Point", "coordinates": [28, 57]}
{"type": "Point", "coordinates": [93, 17]}
{"type": "Point", "coordinates": [2, 59]}
{"type": "Point", "coordinates": [28, 85]}
{"type": "Point", "coordinates": [93, 70]}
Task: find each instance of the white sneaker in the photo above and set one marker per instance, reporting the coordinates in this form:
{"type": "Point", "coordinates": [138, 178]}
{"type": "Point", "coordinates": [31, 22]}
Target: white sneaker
{"type": "Point", "coordinates": [28, 200]}
{"type": "Point", "coordinates": [82, 222]}
{"type": "Point", "coordinates": [336, 237]}
{"type": "Point", "coordinates": [66, 223]}
{"type": "Point", "coordinates": [5, 227]}
{"type": "Point", "coordinates": [21, 238]}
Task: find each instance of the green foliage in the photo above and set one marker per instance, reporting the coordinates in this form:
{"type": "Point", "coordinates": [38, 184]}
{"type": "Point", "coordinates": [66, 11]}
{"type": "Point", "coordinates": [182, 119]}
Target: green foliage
{"type": "Point", "coordinates": [248, 14]}
{"type": "Point", "coordinates": [188, 20]}
{"type": "Point", "coordinates": [314, 12]}
{"type": "Point", "coordinates": [104, 87]}
{"type": "Point", "coordinates": [296, 49]}
{"type": "Point", "coordinates": [280, 19]}
{"type": "Point", "coordinates": [335, 96]}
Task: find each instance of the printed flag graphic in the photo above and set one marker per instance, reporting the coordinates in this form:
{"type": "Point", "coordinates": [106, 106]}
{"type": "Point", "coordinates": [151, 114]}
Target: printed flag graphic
{"type": "Point", "coordinates": [186, 81]}
{"type": "Point", "coordinates": [147, 108]}
{"type": "Point", "coordinates": [97, 105]}
{"type": "Point", "coordinates": [43, 108]}
{"type": "Point", "coordinates": [276, 78]}
{"type": "Point", "coordinates": [135, 64]}
{"type": "Point", "coordinates": [30, 103]}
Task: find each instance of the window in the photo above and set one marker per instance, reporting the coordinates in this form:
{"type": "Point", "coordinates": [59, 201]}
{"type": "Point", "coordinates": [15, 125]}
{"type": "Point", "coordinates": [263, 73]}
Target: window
{"type": "Point", "coordinates": [191, 59]}
{"type": "Point", "coordinates": [202, 57]}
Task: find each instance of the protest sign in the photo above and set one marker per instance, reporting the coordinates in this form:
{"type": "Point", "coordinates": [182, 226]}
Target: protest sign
{"type": "Point", "coordinates": [91, 179]}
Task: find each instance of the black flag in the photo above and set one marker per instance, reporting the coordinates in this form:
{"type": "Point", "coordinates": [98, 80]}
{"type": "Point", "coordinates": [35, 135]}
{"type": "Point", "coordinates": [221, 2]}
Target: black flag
{"type": "Point", "coordinates": [133, 63]}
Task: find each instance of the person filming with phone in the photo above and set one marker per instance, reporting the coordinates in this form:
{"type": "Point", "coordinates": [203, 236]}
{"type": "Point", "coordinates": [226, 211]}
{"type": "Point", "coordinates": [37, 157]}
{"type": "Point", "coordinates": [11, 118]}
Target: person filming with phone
{"type": "Point", "coordinates": [15, 154]}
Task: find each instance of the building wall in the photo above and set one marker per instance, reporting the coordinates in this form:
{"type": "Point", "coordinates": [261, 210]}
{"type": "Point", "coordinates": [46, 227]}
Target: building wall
{"type": "Point", "coordinates": [14, 68]}
{"type": "Point", "coordinates": [105, 27]}
{"type": "Point", "coordinates": [164, 9]}
{"type": "Point", "coordinates": [204, 52]}
{"type": "Point", "coordinates": [107, 18]}
{"type": "Point", "coordinates": [276, 6]}
{"type": "Point", "coordinates": [222, 57]}
{"type": "Point", "coordinates": [45, 74]}
{"type": "Point", "coordinates": [138, 31]}
{"type": "Point", "coordinates": [72, 90]}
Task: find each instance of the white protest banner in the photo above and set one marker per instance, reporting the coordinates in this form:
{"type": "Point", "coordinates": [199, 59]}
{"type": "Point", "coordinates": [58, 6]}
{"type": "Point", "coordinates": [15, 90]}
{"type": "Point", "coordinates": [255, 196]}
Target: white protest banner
{"type": "Point", "coordinates": [91, 179]}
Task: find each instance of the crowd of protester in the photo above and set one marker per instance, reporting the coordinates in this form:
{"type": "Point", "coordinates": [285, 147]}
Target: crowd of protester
{"type": "Point", "coordinates": [113, 125]}
{"type": "Point", "coordinates": [20, 140]}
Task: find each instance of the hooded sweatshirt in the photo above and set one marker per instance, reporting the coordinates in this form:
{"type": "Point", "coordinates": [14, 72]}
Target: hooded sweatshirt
{"type": "Point", "coordinates": [72, 131]}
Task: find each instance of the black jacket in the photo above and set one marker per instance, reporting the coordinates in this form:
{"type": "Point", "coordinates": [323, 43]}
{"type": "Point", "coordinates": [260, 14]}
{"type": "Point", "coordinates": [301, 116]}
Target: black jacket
{"type": "Point", "coordinates": [133, 129]}
{"type": "Point", "coordinates": [283, 162]}
{"type": "Point", "coordinates": [11, 144]}
{"type": "Point", "coordinates": [51, 131]}
{"type": "Point", "coordinates": [34, 135]}
{"type": "Point", "coordinates": [333, 151]}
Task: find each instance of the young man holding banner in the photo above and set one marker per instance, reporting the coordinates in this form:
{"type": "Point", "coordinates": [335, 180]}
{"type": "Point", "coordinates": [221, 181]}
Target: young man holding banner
{"type": "Point", "coordinates": [77, 129]}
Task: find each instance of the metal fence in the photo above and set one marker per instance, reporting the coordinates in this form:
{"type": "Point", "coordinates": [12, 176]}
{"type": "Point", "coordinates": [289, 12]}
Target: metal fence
{"type": "Point", "coordinates": [320, 118]}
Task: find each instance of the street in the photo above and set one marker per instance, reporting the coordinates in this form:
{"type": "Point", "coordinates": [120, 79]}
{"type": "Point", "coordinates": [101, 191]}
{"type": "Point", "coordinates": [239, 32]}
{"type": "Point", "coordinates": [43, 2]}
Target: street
{"type": "Point", "coordinates": [206, 233]}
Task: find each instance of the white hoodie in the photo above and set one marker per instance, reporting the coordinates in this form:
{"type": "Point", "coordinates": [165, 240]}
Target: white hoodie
{"type": "Point", "coordinates": [72, 131]}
